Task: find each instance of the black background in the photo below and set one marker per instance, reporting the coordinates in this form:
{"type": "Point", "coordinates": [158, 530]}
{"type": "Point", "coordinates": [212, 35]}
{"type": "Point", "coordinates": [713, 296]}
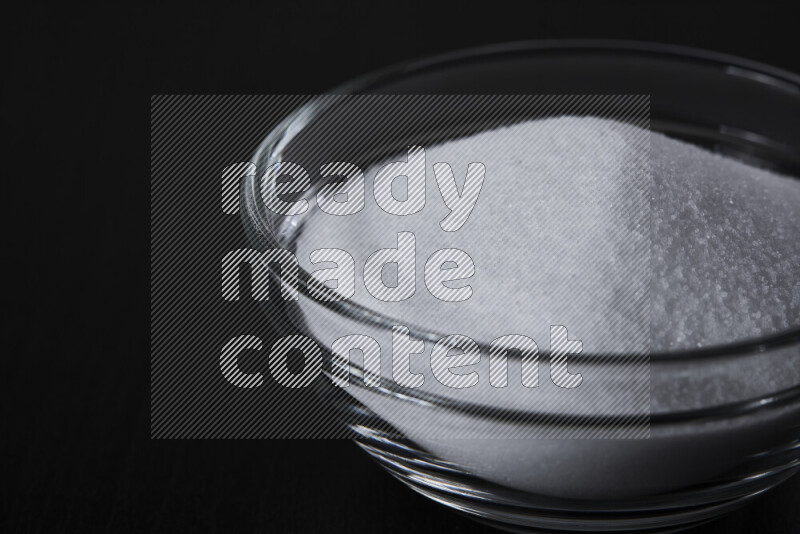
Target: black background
{"type": "Point", "coordinates": [75, 405]}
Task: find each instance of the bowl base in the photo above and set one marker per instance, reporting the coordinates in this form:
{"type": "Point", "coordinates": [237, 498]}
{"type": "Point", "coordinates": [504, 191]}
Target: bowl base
{"type": "Point", "coordinates": [516, 511]}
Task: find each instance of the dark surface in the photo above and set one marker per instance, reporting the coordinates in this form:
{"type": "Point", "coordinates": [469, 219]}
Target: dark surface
{"type": "Point", "coordinates": [76, 396]}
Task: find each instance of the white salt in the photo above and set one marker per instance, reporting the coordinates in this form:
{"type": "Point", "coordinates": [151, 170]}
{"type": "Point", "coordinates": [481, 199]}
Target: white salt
{"type": "Point", "coordinates": [724, 265]}
{"type": "Point", "coordinates": [726, 253]}
{"type": "Point", "coordinates": [546, 241]}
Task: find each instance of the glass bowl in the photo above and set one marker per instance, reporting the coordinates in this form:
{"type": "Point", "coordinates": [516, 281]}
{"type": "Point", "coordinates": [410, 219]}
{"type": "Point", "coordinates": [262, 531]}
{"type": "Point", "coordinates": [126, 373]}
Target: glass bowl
{"type": "Point", "coordinates": [700, 460]}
